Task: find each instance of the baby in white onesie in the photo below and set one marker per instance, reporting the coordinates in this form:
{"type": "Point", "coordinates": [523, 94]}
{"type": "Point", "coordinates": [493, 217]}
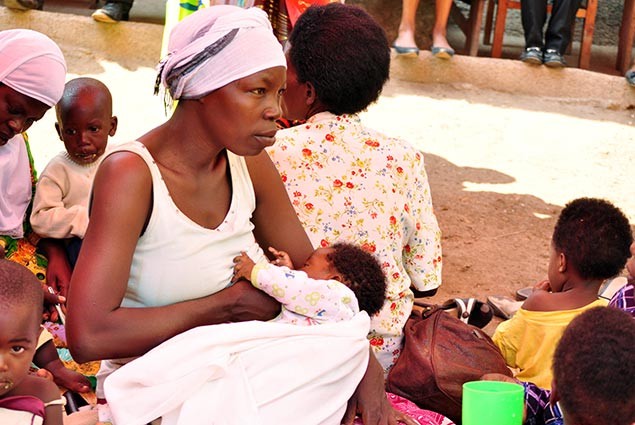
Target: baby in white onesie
{"type": "Point", "coordinates": [335, 283]}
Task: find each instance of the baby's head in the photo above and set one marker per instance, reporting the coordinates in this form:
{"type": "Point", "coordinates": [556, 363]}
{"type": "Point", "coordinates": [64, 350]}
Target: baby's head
{"type": "Point", "coordinates": [594, 369]}
{"type": "Point", "coordinates": [594, 238]}
{"type": "Point", "coordinates": [355, 268]}
{"type": "Point", "coordinates": [20, 316]}
{"type": "Point", "coordinates": [85, 120]}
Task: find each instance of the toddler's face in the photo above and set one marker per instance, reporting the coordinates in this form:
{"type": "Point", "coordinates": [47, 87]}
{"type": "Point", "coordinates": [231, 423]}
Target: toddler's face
{"type": "Point", "coordinates": [19, 332]}
{"type": "Point", "coordinates": [318, 266]}
{"type": "Point", "coordinates": [85, 127]}
{"type": "Point", "coordinates": [17, 113]}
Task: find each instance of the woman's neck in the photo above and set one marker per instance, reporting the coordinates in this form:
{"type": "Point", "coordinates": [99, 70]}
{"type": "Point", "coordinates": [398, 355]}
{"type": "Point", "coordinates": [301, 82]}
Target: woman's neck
{"type": "Point", "coordinates": [182, 143]}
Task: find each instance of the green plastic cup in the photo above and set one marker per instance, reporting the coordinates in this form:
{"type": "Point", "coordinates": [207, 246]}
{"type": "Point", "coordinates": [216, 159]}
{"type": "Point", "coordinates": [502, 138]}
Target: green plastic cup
{"type": "Point", "coordinates": [492, 403]}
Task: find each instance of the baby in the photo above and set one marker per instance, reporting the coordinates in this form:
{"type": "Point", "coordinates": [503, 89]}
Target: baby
{"type": "Point", "coordinates": [84, 123]}
{"type": "Point", "coordinates": [335, 284]}
{"type": "Point", "coordinates": [24, 398]}
{"type": "Point", "coordinates": [590, 243]}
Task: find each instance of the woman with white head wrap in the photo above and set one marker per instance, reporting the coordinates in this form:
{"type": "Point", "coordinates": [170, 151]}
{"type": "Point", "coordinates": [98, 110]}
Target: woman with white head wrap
{"type": "Point", "coordinates": [32, 76]}
{"type": "Point", "coordinates": [171, 210]}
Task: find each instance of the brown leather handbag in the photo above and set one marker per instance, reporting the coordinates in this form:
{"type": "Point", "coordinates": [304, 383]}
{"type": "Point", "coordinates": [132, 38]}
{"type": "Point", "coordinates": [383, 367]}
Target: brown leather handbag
{"type": "Point", "coordinates": [440, 354]}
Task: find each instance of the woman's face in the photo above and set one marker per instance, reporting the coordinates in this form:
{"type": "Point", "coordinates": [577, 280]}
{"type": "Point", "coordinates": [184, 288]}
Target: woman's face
{"type": "Point", "coordinates": [17, 112]}
{"type": "Point", "coordinates": [242, 115]}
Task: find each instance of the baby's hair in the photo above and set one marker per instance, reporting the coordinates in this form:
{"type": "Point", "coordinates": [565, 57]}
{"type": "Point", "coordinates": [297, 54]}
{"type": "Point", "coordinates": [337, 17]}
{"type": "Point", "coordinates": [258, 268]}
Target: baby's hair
{"type": "Point", "coordinates": [18, 286]}
{"type": "Point", "coordinates": [75, 87]}
{"type": "Point", "coordinates": [595, 236]}
{"type": "Point", "coordinates": [362, 273]}
{"type": "Point", "coordinates": [594, 368]}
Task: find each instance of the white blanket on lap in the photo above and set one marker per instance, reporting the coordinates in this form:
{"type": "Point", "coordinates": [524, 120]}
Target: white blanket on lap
{"type": "Point", "coordinates": [244, 373]}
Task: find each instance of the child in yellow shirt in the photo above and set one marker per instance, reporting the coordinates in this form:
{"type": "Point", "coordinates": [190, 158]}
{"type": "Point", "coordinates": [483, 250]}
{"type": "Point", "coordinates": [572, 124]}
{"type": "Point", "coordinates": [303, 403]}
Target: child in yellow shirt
{"type": "Point", "coordinates": [590, 243]}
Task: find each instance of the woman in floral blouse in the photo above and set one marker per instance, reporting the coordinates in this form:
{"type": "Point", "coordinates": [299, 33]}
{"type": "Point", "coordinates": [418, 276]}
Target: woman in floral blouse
{"type": "Point", "coordinates": [348, 182]}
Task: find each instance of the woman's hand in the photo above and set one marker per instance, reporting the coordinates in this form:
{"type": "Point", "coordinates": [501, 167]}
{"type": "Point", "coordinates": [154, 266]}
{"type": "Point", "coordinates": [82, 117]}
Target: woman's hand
{"type": "Point", "coordinates": [251, 303]}
{"type": "Point", "coordinates": [243, 265]}
{"type": "Point", "coordinates": [370, 402]}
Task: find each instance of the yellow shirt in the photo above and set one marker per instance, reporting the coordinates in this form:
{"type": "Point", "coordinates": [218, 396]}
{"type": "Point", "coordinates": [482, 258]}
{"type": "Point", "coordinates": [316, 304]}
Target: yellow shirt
{"type": "Point", "coordinates": [528, 341]}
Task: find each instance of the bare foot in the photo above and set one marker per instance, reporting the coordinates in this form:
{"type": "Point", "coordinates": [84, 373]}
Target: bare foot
{"type": "Point", "coordinates": [405, 38]}
{"type": "Point", "coordinates": [67, 378]}
{"type": "Point", "coordinates": [439, 40]}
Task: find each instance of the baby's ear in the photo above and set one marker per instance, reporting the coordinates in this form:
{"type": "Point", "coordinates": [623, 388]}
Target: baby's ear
{"type": "Point", "coordinates": [113, 126]}
{"type": "Point", "coordinates": [336, 276]}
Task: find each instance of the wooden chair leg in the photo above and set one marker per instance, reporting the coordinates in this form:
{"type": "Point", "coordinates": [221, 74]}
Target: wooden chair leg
{"type": "Point", "coordinates": [499, 28]}
{"type": "Point", "coordinates": [587, 34]}
{"type": "Point", "coordinates": [627, 34]}
{"type": "Point", "coordinates": [489, 18]}
{"type": "Point", "coordinates": [474, 26]}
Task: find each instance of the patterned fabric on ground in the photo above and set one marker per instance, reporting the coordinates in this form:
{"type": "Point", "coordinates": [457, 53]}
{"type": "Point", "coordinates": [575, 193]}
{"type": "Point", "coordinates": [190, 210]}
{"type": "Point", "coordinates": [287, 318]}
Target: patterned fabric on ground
{"type": "Point", "coordinates": [424, 417]}
{"type": "Point", "coordinates": [624, 299]}
{"type": "Point", "coordinates": [539, 410]}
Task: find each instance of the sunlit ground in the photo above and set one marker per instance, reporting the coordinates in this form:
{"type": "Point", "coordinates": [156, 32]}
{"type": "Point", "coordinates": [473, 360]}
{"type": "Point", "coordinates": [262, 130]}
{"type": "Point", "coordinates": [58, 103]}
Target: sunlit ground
{"type": "Point", "coordinates": [551, 155]}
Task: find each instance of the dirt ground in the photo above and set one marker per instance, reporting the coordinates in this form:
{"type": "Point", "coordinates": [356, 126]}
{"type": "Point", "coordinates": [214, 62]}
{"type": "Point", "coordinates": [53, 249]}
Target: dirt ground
{"type": "Point", "coordinates": [500, 166]}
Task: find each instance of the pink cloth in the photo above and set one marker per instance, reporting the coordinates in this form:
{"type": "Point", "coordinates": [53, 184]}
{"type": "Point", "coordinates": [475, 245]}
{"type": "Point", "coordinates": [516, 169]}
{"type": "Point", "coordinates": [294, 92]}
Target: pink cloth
{"type": "Point", "coordinates": [424, 417]}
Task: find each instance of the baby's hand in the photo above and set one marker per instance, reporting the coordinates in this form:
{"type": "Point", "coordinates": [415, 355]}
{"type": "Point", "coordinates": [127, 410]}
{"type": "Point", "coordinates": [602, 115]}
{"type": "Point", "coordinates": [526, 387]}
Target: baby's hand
{"type": "Point", "coordinates": [242, 268]}
{"type": "Point", "coordinates": [282, 258]}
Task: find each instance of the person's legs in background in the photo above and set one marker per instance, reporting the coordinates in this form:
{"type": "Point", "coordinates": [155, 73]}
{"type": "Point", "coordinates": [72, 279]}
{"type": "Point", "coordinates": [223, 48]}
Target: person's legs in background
{"type": "Point", "coordinates": [558, 33]}
{"type": "Point", "coordinates": [405, 42]}
{"type": "Point", "coordinates": [113, 11]}
{"type": "Point", "coordinates": [533, 15]}
{"type": "Point", "coordinates": [440, 46]}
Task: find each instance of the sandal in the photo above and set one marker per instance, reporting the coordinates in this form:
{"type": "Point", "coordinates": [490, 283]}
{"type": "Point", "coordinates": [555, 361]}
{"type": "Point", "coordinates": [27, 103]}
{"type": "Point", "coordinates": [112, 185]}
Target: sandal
{"type": "Point", "coordinates": [470, 311]}
{"type": "Point", "coordinates": [503, 306]}
{"type": "Point", "coordinates": [524, 293]}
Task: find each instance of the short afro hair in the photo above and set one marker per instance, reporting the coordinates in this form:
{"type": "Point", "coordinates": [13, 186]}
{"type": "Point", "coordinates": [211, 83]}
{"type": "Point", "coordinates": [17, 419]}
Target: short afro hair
{"type": "Point", "coordinates": [344, 53]}
{"type": "Point", "coordinates": [595, 236]}
{"type": "Point", "coordinates": [362, 273]}
{"type": "Point", "coordinates": [594, 368]}
{"type": "Point", "coordinates": [18, 287]}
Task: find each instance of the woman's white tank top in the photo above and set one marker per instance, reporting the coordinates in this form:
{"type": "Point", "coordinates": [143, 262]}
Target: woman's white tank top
{"type": "Point", "coordinates": [176, 259]}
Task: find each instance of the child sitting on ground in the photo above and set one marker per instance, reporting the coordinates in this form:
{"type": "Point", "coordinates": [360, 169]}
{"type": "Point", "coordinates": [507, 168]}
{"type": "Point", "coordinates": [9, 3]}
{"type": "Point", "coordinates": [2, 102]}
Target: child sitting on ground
{"type": "Point", "coordinates": [335, 283]}
{"type": "Point", "coordinates": [588, 394]}
{"type": "Point", "coordinates": [590, 243]}
{"type": "Point", "coordinates": [84, 123]}
{"type": "Point", "coordinates": [24, 398]}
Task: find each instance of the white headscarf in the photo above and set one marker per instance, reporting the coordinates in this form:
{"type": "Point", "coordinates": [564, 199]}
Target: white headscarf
{"type": "Point", "coordinates": [32, 64]}
{"type": "Point", "coordinates": [215, 46]}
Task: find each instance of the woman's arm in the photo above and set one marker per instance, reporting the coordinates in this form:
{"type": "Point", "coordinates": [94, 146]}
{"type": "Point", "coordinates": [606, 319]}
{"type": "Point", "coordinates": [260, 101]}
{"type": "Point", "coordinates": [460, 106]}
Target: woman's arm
{"type": "Point", "coordinates": [97, 327]}
{"type": "Point", "coordinates": [275, 219]}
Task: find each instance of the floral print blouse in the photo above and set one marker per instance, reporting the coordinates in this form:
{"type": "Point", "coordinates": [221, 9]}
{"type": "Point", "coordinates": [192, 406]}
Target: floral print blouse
{"type": "Point", "coordinates": [350, 183]}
